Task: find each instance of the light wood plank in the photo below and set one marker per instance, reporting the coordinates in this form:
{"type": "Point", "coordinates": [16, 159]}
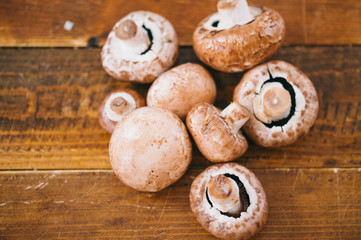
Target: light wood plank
{"type": "Point", "coordinates": [303, 203]}
{"type": "Point", "coordinates": [39, 23]}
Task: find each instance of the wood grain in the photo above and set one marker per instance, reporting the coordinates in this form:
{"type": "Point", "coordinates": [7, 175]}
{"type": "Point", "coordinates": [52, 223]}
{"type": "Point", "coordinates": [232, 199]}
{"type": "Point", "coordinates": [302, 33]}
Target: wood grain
{"type": "Point", "coordinates": [39, 23]}
{"type": "Point", "coordinates": [49, 100]}
{"type": "Point", "coordinates": [303, 203]}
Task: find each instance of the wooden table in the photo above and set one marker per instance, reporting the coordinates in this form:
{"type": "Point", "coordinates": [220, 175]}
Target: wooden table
{"type": "Point", "coordinates": [56, 180]}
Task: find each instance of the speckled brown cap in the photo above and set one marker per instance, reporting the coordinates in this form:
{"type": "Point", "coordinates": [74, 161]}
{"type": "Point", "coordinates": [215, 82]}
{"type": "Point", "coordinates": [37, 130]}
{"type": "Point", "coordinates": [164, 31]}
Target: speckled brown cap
{"type": "Point", "coordinates": [150, 149]}
{"type": "Point", "coordinates": [296, 121]}
{"type": "Point", "coordinates": [181, 87]}
{"type": "Point", "coordinates": [152, 50]}
{"type": "Point", "coordinates": [220, 225]}
{"type": "Point", "coordinates": [214, 137]}
{"type": "Point", "coordinates": [116, 105]}
{"type": "Point", "coordinates": [240, 47]}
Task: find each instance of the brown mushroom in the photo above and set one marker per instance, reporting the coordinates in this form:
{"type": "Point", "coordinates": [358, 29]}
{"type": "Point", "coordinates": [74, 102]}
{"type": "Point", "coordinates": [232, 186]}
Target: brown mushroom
{"type": "Point", "coordinates": [150, 149]}
{"type": "Point", "coordinates": [181, 87]}
{"type": "Point", "coordinates": [140, 47]}
{"type": "Point", "coordinates": [116, 105]}
{"type": "Point", "coordinates": [229, 201]}
{"type": "Point", "coordinates": [238, 37]}
{"type": "Point", "coordinates": [282, 100]}
{"type": "Point", "coordinates": [217, 134]}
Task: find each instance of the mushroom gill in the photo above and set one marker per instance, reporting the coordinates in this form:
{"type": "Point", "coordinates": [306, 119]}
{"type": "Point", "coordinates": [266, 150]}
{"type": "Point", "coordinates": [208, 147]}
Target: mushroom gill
{"type": "Point", "coordinates": [150, 36]}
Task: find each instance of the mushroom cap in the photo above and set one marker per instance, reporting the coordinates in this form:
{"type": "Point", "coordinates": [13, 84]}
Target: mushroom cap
{"type": "Point", "coordinates": [181, 87]}
{"type": "Point", "coordinates": [222, 226]}
{"type": "Point", "coordinates": [146, 67]}
{"type": "Point", "coordinates": [306, 102]}
{"type": "Point", "coordinates": [150, 149]}
{"type": "Point", "coordinates": [105, 122]}
{"type": "Point", "coordinates": [242, 46]}
{"type": "Point", "coordinates": [213, 136]}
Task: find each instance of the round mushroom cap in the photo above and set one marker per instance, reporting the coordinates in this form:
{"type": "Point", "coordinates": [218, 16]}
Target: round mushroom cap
{"type": "Point", "coordinates": [242, 46]}
{"type": "Point", "coordinates": [120, 58]}
{"type": "Point", "coordinates": [181, 87]}
{"type": "Point", "coordinates": [150, 149]}
{"type": "Point", "coordinates": [251, 219]}
{"type": "Point", "coordinates": [125, 99]}
{"type": "Point", "coordinates": [296, 121]}
{"type": "Point", "coordinates": [213, 136]}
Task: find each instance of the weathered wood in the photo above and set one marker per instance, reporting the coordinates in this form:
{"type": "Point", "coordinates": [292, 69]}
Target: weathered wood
{"type": "Point", "coordinates": [49, 100]}
{"type": "Point", "coordinates": [41, 23]}
{"type": "Point", "coordinates": [303, 203]}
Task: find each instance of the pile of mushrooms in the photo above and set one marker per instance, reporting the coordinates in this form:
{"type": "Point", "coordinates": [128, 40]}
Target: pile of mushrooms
{"type": "Point", "coordinates": [150, 149]}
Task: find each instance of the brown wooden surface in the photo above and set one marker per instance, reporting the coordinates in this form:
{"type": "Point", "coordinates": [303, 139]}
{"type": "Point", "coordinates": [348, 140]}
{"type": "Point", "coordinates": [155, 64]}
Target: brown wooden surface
{"type": "Point", "coordinates": [41, 23]}
{"type": "Point", "coordinates": [303, 203]}
{"type": "Point", "coordinates": [49, 100]}
{"type": "Point", "coordinates": [48, 121]}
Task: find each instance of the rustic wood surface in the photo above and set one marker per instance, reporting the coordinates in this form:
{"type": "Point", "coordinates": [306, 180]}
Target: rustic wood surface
{"type": "Point", "coordinates": [41, 23]}
{"type": "Point", "coordinates": [49, 100]}
{"type": "Point", "coordinates": [48, 121]}
{"type": "Point", "coordinates": [303, 203]}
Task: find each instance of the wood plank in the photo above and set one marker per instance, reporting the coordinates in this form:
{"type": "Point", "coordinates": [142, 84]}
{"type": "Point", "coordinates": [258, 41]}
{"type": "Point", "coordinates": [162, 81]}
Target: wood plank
{"type": "Point", "coordinates": [49, 100]}
{"type": "Point", "coordinates": [39, 23]}
{"type": "Point", "coordinates": [303, 203]}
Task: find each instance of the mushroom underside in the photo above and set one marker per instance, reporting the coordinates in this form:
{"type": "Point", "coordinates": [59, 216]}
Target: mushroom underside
{"type": "Point", "coordinates": [289, 88]}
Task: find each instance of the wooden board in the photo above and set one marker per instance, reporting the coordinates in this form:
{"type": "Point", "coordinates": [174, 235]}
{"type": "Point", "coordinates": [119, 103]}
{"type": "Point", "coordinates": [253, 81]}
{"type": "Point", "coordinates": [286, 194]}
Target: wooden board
{"type": "Point", "coordinates": [49, 100]}
{"type": "Point", "coordinates": [303, 203]}
{"type": "Point", "coordinates": [41, 23]}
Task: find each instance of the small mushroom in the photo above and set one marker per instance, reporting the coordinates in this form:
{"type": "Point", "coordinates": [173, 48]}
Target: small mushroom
{"type": "Point", "coordinates": [282, 100]}
{"type": "Point", "coordinates": [238, 37]}
{"type": "Point", "coordinates": [217, 134]}
{"type": "Point", "coordinates": [229, 201]}
{"type": "Point", "coordinates": [116, 105]}
{"type": "Point", "coordinates": [140, 47]}
{"type": "Point", "coordinates": [181, 87]}
{"type": "Point", "coordinates": [150, 149]}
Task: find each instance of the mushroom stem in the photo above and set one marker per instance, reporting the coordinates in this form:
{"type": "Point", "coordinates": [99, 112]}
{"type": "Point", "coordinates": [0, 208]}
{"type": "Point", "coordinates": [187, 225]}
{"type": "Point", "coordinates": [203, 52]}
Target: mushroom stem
{"type": "Point", "coordinates": [233, 12]}
{"type": "Point", "coordinates": [119, 105]}
{"type": "Point", "coordinates": [273, 104]}
{"type": "Point", "coordinates": [223, 192]}
{"type": "Point", "coordinates": [133, 38]}
{"type": "Point", "coordinates": [235, 116]}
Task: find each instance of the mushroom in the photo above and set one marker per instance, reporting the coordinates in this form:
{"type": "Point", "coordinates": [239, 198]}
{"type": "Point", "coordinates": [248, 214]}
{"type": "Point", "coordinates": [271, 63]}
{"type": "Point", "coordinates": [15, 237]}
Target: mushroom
{"type": "Point", "coordinates": [238, 37]}
{"type": "Point", "coordinates": [217, 134]}
{"type": "Point", "coordinates": [116, 105]}
{"type": "Point", "coordinates": [229, 201]}
{"type": "Point", "coordinates": [181, 87]}
{"type": "Point", "coordinates": [282, 100]}
{"type": "Point", "coordinates": [150, 149]}
{"type": "Point", "coordinates": [140, 47]}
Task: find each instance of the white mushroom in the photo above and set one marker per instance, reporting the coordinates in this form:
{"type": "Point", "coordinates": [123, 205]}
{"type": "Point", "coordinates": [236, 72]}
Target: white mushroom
{"type": "Point", "coordinates": [181, 87]}
{"type": "Point", "coordinates": [229, 201]}
{"type": "Point", "coordinates": [140, 47]}
{"type": "Point", "coordinates": [238, 37]}
{"type": "Point", "coordinates": [217, 134]}
{"type": "Point", "coordinates": [150, 149]}
{"type": "Point", "coordinates": [282, 100]}
{"type": "Point", "coordinates": [116, 105]}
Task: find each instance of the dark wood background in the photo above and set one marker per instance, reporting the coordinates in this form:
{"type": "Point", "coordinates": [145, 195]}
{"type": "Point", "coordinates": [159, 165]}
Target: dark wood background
{"type": "Point", "coordinates": [55, 177]}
